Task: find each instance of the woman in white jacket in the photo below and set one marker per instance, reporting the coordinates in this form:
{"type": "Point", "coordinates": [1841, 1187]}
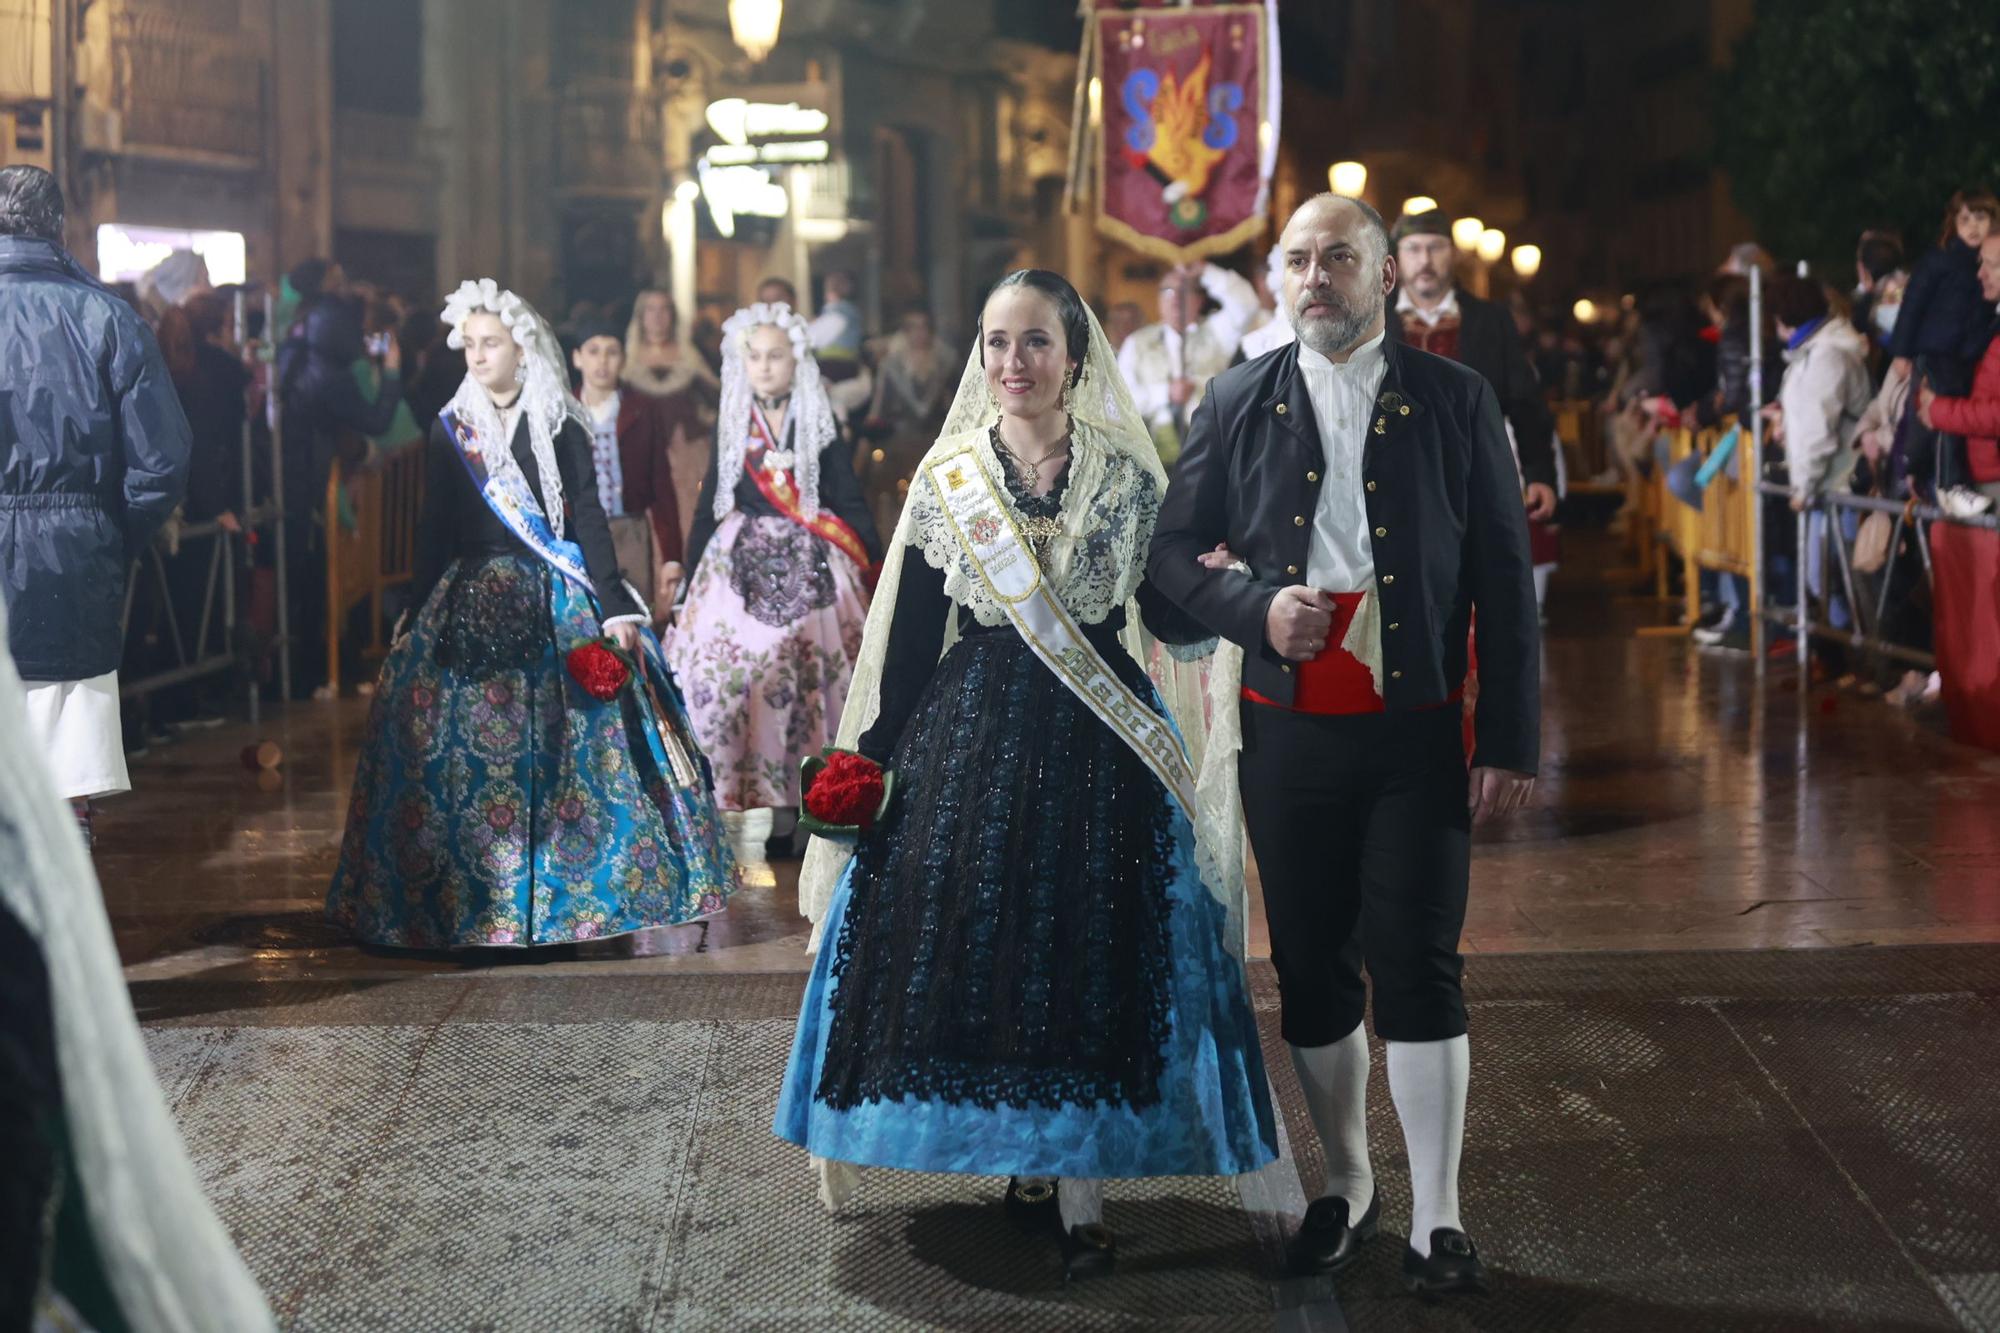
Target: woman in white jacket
{"type": "Point", "coordinates": [1825, 392]}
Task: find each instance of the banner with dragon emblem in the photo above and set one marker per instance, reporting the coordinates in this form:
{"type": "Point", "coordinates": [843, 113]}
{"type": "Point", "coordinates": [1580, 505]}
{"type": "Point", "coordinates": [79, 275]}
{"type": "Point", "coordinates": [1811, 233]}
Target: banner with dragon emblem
{"type": "Point", "coordinates": [1184, 112]}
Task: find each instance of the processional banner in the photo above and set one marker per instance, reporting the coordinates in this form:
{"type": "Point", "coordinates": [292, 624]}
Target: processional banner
{"type": "Point", "coordinates": [1181, 123]}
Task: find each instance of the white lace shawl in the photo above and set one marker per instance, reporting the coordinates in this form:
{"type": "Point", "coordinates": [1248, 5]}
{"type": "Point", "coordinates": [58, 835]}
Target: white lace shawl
{"type": "Point", "coordinates": [545, 398]}
{"type": "Point", "coordinates": [1095, 566]}
{"type": "Point", "coordinates": [808, 420]}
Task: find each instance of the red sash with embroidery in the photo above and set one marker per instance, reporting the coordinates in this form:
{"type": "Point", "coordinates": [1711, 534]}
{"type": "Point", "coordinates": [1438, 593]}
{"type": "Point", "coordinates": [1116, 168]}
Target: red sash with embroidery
{"type": "Point", "coordinates": [782, 492]}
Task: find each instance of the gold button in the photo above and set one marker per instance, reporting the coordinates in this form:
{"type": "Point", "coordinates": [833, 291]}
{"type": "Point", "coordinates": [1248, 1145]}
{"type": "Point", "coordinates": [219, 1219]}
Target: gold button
{"type": "Point", "coordinates": [1284, 668]}
{"type": "Point", "coordinates": [1312, 476]}
{"type": "Point", "coordinates": [1395, 624]}
{"type": "Point", "coordinates": [1298, 520]}
{"type": "Point", "coordinates": [1405, 409]}
{"type": "Point", "coordinates": [1381, 532]}
{"type": "Point", "coordinates": [1371, 485]}
{"type": "Point", "coordinates": [1395, 675]}
{"type": "Point", "coordinates": [1388, 578]}
{"type": "Point", "coordinates": [1281, 409]}
{"type": "Point", "coordinates": [1291, 569]}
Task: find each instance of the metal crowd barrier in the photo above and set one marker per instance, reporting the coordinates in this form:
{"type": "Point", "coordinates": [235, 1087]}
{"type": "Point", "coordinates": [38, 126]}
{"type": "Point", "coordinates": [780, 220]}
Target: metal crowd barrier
{"type": "Point", "coordinates": [1865, 633]}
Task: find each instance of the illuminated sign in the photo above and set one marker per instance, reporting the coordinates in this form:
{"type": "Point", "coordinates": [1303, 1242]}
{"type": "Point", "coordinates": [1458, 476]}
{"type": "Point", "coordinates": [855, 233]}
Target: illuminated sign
{"type": "Point", "coordinates": [127, 253]}
{"type": "Point", "coordinates": [737, 121]}
{"type": "Point", "coordinates": [731, 192]}
{"type": "Point", "coordinates": [785, 150]}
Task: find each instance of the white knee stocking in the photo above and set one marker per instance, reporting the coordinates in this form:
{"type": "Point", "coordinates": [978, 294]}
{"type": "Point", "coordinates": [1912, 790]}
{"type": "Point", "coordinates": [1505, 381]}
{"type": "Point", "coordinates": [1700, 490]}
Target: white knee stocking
{"type": "Point", "coordinates": [1335, 1080]}
{"type": "Point", "coordinates": [1427, 1079]}
{"type": "Point", "coordinates": [1081, 1202]}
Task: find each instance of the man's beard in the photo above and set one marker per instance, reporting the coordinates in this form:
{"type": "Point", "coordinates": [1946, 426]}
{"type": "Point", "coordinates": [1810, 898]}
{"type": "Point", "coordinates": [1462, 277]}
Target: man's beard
{"type": "Point", "coordinates": [1328, 334]}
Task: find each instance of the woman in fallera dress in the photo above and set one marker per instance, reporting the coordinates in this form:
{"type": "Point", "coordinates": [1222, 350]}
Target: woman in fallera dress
{"type": "Point", "coordinates": [499, 800]}
{"type": "Point", "coordinates": [1026, 968]}
{"type": "Point", "coordinates": [780, 552]}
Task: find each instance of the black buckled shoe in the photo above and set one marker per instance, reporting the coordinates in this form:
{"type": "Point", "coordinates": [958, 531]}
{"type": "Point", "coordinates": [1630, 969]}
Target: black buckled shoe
{"type": "Point", "coordinates": [1453, 1267]}
{"type": "Point", "coordinates": [1325, 1243]}
{"type": "Point", "coordinates": [1032, 1206]}
{"type": "Point", "coordinates": [1090, 1250]}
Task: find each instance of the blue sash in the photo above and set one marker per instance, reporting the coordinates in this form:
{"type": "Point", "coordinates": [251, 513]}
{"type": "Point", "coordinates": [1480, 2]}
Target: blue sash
{"type": "Point", "coordinates": [514, 504]}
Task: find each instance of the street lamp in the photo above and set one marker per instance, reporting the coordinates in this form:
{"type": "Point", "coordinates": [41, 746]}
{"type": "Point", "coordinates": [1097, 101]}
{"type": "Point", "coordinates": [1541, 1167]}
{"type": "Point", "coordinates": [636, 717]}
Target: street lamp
{"type": "Point", "coordinates": [1527, 260]}
{"type": "Point", "coordinates": [1585, 311]}
{"type": "Point", "coordinates": [754, 25]}
{"type": "Point", "coordinates": [1419, 203]}
{"type": "Point", "coordinates": [1348, 179]}
{"type": "Point", "coordinates": [1465, 233]}
{"type": "Point", "coordinates": [1492, 244]}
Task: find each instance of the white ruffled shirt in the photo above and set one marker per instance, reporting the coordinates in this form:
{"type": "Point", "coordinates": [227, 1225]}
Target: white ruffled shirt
{"type": "Point", "coordinates": [1341, 557]}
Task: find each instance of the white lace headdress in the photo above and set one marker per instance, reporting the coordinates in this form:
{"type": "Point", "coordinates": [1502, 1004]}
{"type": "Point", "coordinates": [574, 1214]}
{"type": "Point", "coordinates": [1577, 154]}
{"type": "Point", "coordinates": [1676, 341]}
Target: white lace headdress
{"type": "Point", "coordinates": [810, 414]}
{"type": "Point", "coordinates": [1112, 498]}
{"type": "Point", "coordinates": [545, 399]}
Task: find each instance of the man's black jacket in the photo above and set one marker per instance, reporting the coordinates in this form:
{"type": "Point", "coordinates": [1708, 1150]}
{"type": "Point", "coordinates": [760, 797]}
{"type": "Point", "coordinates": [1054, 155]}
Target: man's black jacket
{"type": "Point", "coordinates": [1488, 342]}
{"type": "Point", "coordinates": [1445, 520]}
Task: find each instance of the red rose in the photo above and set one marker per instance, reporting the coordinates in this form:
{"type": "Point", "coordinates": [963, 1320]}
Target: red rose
{"type": "Point", "coordinates": [601, 672]}
{"type": "Point", "coordinates": [848, 791]}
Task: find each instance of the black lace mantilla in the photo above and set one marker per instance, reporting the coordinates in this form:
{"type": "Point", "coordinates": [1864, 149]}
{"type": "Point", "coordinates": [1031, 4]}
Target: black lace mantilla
{"type": "Point", "coordinates": [496, 615]}
{"type": "Point", "coordinates": [779, 570]}
{"type": "Point", "coordinates": [1006, 939]}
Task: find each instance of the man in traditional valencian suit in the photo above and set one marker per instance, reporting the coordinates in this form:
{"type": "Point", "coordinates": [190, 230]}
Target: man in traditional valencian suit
{"type": "Point", "coordinates": [1366, 505]}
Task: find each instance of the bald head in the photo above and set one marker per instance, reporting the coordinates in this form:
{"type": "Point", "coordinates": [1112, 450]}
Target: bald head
{"type": "Point", "coordinates": [1338, 273]}
{"type": "Point", "coordinates": [1324, 208]}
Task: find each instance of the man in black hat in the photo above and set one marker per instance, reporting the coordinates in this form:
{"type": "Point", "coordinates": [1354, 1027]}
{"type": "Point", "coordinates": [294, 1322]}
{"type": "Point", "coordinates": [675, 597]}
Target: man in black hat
{"type": "Point", "coordinates": [1432, 314]}
{"type": "Point", "coordinates": [630, 434]}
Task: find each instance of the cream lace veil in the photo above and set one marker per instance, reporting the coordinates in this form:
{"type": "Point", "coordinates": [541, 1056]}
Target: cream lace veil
{"type": "Point", "coordinates": [1107, 427]}
{"type": "Point", "coordinates": [545, 397]}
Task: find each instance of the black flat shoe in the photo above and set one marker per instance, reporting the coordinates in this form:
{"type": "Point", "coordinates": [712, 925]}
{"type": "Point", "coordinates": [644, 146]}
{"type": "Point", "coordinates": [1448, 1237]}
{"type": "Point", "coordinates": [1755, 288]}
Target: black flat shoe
{"type": "Point", "coordinates": [1032, 1207]}
{"type": "Point", "coordinates": [1325, 1243]}
{"type": "Point", "coordinates": [1088, 1251]}
{"type": "Point", "coordinates": [1452, 1269]}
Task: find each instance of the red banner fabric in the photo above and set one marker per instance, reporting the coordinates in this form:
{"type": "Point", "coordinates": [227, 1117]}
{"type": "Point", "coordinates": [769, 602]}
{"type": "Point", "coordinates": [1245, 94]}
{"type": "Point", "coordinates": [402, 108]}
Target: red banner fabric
{"type": "Point", "coordinates": [1966, 630]}
{"type": "Point", "coordinates": [1180, 172]}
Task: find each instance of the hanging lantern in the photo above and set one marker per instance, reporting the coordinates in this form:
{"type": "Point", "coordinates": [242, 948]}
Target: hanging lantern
{"type": "Point", "coordinates": [1465, 233]}
{"type": "Point", "coordinates": [1527, 260]}
{"type": "Point", "coordinates": [1492, 244]}
{"type": "Point", "coordinates": [1419, 203]}
{"type": "Point", "coordinates": [754, 25]}
{"type": "Point", "coordinates": [1585, 310]}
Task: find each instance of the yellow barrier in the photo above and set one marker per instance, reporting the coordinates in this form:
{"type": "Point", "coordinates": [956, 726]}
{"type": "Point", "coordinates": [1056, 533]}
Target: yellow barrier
{"type": "Point", "coordinates": [378, 553]}
{"type": "Point", "coordinates": [1580, 429]}
{"type": "Point", "coordinates": [1717, 537]}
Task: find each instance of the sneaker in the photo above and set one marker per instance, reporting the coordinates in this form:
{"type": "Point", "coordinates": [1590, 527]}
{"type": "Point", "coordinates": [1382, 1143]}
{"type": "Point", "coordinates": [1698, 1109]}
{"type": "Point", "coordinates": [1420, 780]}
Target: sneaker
{"type": "Point", "coordinates": [1712, 615]}
{"type": "Point", "coordinates": [1708, 636]}
{"type": "Point", "coordinates": [1908, 691]}
{"type": "Point", "coordinates": [205, 719]}
{"type": "Point", "coordinates": [1964, 502]}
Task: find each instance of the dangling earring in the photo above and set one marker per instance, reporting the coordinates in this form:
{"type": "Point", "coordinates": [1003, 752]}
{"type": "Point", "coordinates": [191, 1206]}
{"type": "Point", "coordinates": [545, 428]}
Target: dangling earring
{"type": "Point", "coordinates": [521, 373]}
{"type": "Point", "coordinates": [1069, 397]}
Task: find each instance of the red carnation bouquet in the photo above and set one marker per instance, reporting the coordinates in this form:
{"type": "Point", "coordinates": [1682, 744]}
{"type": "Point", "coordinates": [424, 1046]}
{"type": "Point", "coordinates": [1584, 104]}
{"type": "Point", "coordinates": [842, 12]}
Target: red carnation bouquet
{"type": "Point", "coordinates": [601, 667]}
{"type": "Point", "coordinates": [846, 794]}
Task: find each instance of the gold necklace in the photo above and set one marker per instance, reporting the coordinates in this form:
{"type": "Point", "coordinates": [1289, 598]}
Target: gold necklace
{"type": "Point", "coordinates": [1031, 471]}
